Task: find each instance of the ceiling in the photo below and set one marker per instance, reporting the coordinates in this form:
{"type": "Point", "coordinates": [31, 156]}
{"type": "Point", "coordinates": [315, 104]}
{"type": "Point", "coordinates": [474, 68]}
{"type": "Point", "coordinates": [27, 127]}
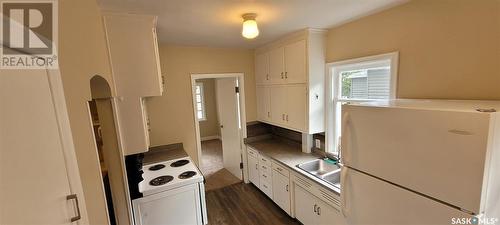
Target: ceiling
{"type": "Point", "coordinates": [217, 23]}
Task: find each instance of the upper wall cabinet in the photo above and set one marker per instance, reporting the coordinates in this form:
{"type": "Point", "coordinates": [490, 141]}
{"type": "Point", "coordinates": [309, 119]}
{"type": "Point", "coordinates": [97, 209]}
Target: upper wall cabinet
{"type": "Point", "coordinates": [290, 78]}
{"type": "Point", "coordinates": [133, 50]}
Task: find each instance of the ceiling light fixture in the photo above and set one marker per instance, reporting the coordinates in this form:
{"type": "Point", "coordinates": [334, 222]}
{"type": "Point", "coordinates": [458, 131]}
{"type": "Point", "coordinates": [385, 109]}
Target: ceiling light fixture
{"type": "Point", "coordinates": [250, 29]}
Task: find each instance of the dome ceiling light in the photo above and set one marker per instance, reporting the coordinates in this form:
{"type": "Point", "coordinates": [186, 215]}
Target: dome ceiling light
{"type": "Point", "coordinates": [250, 29]}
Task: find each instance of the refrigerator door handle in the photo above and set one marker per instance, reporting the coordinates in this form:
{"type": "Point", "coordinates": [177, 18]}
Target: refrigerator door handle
{"type": "Point", "coordinates": [343, 193]}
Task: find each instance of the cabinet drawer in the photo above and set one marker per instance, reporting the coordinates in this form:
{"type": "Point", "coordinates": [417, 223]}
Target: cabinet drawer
{"type": "Point", "coordinates": [252, 152]}
{"type": "Point", "coordinates": [281, 169]}
{"type": "Point", "coordinates": [266, 177]}
{"type": "Point", "coordinates": [265, 161]}
{"type": "Point", "coordinates": [267, 189]}
{"type": "Point", "coordinates": [265, 169]}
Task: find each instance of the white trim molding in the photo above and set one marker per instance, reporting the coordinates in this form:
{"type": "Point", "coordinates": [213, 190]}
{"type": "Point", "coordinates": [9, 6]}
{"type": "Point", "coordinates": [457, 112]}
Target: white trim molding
{"type": "Point", "coordinates": [208, 138]}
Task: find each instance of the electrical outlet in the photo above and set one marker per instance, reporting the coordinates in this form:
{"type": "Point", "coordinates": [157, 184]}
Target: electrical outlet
{"type": "Point", "coordinates": [317, 143]}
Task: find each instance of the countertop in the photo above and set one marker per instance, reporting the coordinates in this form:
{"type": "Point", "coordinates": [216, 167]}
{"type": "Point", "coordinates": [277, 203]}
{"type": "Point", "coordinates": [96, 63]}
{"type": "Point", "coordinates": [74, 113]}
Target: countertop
{"type": "Point", "coordinates": [164, 153]}
{"type": "Point", "coordinates": [290, 155]}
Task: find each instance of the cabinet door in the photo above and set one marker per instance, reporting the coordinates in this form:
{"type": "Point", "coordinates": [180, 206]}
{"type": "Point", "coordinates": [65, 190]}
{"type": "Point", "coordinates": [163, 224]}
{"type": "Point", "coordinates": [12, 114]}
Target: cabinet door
{"type": "Point", "coordinates": [278, 103]}
{"type": "Point", "coordinates": [134, 54]}
{"type": "Point", "coordinates": [263, 103]}
{"type": "Point", "coordinates": [277, 66]}
{"type": "Point", "coordinates": [281, 191]}
{"type": "Point", "coordinates": [305, 207]}
{"type": "Point", "coordinates": [132, 120]}
{"type": "Point", "coordinates": [329, 215]}
{"type": "Point", "coordinates": [262, 68]}
{"type": "Point", "coordinates": [253, 170]}
{"type": "Point", "coordinates": [295, 62]}
{"type": "Point", "coordinates": [296, 104]}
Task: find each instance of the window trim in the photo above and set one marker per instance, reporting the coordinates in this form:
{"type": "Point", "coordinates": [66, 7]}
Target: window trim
{"type": "Point", "coordinates": [202, 95]}
{"type": "Point", "coordinates": [333, 96]}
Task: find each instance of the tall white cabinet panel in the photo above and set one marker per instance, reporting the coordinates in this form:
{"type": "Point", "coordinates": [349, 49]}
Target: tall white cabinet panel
{"type": "Point", "coordinates": [277, 66]}
{"type": "Point", "coordinates": [295, 62]}
{"type": "Point", "coordinates": [278, 104]}
{"type": "Point", "coordinates": [262, 68]}
{"type": "Point", "coordinates": [39, 178]}
{"type": "Point", "coordinates": [281, 191]}
{"type": "Point", "coordinates": [133, 125]}
{"type": "Point", "coordinates": [264, 103]}
{"type": "Point", "coordinates": [296, 103]}
{"type": "Point", "coordinates": [253, 170]}
{"type": "Point", "coordinates": [305, 207]}
{"type": "Point", "coordinates": [134, 56]}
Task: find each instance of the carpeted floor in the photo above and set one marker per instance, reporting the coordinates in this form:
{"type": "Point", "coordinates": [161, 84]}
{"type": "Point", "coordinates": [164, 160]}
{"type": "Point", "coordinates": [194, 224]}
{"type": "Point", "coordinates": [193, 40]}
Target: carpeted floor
{"type": "Point", "coordinates": [212, 166]}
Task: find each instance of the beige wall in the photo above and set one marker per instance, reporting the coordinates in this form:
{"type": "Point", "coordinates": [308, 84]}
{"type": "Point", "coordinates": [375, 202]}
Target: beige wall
{"type": "Point", "coordinates": [171, 115]}
{"type": "Point", "coordinates": [82, 54]}
{"type": "Point", "coordinates": [210, 126]}
{"type": "Point", "coordinates": [448, 48]}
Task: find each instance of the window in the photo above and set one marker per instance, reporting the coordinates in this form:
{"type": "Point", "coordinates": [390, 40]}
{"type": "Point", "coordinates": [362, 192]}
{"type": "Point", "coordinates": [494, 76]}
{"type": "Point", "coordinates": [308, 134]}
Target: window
{"type": "Point", "coordinates": [200, 102]}
{"type": "Point", "coordinates": [371, 78]}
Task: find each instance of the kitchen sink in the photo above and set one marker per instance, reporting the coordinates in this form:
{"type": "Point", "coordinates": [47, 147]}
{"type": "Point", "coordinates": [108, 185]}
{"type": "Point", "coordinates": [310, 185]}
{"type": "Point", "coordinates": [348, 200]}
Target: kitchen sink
{"type": "Point", "coordinates": [323, 170]}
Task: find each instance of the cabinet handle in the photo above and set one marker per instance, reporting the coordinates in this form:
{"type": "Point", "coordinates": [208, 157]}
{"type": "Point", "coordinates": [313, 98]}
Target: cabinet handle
{"type": "Point", "coordinates": [268, 114]}
{"type": "Point", "coordinates": [264, 185]}
{"type": "Point", "coordinates": [286, 75]}
{"type": "Point", "coordinates": [286, 188]}
{"type": "Point", "coordinates": [263, 167]}
{"type": "Point", "coordinates": [78, 215]}
{"type": "Point", "coordinates": [281, 75]}
{"type": "Point", "coordinates": [283, 117]}
{"type": "Point", "coordinates": [279, 169]}
{"type": "Point", "coordinates": [315, 207]}
{"type": "Point", "coordinates": [287, 118]}
{"type": "Point", "coordinates": [319, 211]}
{"type": "Point", "coordinates": [267, 76]}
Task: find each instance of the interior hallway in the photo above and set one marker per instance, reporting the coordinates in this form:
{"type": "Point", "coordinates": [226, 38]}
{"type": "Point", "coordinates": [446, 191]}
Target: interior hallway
{"type": "Point", "coordinates": [212, 166]}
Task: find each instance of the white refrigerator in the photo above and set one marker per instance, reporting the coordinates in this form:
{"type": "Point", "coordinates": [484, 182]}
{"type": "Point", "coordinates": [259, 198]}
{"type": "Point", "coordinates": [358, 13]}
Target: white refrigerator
{"type": "Point", "coordinates": [421, 162]}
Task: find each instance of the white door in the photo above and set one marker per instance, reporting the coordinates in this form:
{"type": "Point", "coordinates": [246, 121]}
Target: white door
{"type": "Point", "coordinates": [263, 103]}
{"type": "Point", "coordinates": [295, 62]}
{"type": "Point", "coordinates": [296, 104]}
{"type": "Point", "coordinates": [278, 104]}
{"type": "Point", "coordinates": [262, 68]}
{"type": "Point", "coordinates": [305, 207]}
{"type": "Point", "coordinates": [281, 191]}
{"type": "Point", "coordinates": [367, 200]}
{"type": "Point", "coordinates": [253, 170]}
{"type": "Point", "coordinates": [227, 101]}
{"type": "Point", "coordinates": [277, 66]}
{"type": "Point", "coordinates": [38, 169]}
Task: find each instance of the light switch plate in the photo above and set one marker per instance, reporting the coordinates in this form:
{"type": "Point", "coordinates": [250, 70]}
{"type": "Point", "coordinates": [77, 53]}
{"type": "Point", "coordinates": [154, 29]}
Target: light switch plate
{"type": "Point", "coordinates": [317, 143]}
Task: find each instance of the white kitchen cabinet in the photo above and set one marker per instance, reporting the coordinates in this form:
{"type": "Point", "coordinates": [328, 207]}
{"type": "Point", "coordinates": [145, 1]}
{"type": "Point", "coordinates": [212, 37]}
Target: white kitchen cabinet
{"type": "Point", "coordinates": [310, 210]}
{"type": "Point", "coordinates": [133, 52]}
{"type": "Point", "coordinates": [288, 106]}
{"type": "Point", "coordinates": [278, 104]}
{"type": "Point", "coordinates": [296, 81]}
{"type": "Point", "coordinates": [281, 191]}
{"type": "Point", "coordinates": [295, 62]}
{"type": "Point", "coordinates": [277, 66]}
{"type": "Point", "coordinates": [133, 124]}
{"type": "Point", "coordinates": [262, 68]}
{"type": "Point", "coordinates": [264, 103]}
{"type": "Point", "coordinates": [253, 169]}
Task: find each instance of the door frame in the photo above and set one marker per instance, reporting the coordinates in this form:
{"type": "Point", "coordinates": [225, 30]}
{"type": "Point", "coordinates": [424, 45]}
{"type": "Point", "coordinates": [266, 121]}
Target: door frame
{"type": "Point", "coordinates": [243, 120]}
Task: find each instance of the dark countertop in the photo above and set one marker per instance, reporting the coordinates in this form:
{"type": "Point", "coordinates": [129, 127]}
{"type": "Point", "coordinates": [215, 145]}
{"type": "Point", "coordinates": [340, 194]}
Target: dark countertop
{"type": "Point", "coordinates": [164, 153]}
{"type": "Point", "coordinates": [288, 154]}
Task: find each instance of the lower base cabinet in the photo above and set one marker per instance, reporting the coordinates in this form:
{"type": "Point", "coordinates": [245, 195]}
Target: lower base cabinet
{"type": "Point", "coordinates": [281, 191]}
{"type": "Point", "coordinates": [310, 210]}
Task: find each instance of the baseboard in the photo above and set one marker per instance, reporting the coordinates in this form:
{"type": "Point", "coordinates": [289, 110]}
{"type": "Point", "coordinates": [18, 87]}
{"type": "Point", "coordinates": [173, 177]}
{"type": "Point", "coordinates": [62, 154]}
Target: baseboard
{"type": "Point", "coordinates": [210, 138]}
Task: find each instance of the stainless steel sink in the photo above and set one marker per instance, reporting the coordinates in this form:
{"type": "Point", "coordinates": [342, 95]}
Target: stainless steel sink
{"type": "Point", "coordinates": [323, 170]}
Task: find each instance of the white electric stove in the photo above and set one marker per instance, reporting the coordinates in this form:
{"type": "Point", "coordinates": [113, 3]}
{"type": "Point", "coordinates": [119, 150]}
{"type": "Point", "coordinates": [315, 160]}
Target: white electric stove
{"type": "Point", "coordinates": [173, 193]}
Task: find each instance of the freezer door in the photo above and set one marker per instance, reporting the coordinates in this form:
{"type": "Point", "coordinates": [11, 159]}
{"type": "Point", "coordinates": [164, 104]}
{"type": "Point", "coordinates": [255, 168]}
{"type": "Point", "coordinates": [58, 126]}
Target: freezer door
{"type": "Point", "coordinates": [367, 200]}
{"type": "Point", "coordinates": [438, 153]}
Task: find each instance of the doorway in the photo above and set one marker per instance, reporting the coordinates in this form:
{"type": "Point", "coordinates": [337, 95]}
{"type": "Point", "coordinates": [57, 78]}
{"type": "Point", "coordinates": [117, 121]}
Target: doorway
{"type": "Point", "coordinates": [218, 101]}
{"type": "Point", "coordinates": [111, 159]}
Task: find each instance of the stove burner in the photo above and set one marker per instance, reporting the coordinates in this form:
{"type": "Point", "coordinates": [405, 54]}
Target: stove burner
{"type": "Point", "coordinates": [179, 163]}
{"type": "Point", "coordinates": [161, 180]}
{"type": "Point", "coordinates": [187, 174]}
{"type": "Point", "coordinates": [157, 167]}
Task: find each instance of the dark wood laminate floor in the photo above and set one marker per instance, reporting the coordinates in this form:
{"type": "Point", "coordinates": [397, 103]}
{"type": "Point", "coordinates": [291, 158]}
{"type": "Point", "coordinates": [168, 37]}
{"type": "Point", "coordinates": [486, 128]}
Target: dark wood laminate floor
{"type": "Point", "coordinates": [243, 204]}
